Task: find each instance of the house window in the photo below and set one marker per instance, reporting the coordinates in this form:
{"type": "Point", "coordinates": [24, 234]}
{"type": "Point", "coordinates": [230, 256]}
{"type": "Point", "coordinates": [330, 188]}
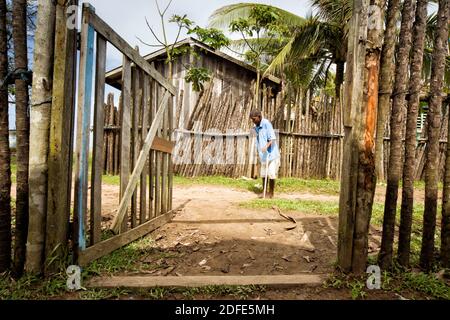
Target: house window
{"type": "Point", "coordinates": [421, 119]}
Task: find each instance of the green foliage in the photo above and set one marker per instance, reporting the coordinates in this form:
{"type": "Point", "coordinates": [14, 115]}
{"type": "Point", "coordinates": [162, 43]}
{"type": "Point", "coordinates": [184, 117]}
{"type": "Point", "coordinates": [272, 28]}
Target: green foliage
{"type": "Point", "coordinates": [357, 291]}
{"type": "Point", "coordinates": [260, 30]}
{"type": "Point", "coordinates": [181, 21]}
{"type": "Point", "coordinates": [31, 287]}
{"type": "Point", "coordinates": [210, 36]}
{"type": "Point", "coordinates": [261, 18]}
{"type": "Point", "coordinates": [179, 51]}
{"type": "Point", "coordinates": [425, 283]}
{"type": "Point", "coordinates": [197, 76]}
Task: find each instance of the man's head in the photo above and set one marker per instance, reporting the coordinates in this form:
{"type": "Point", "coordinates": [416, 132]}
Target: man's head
{"type": "Point", "coordinates": [256, 117]}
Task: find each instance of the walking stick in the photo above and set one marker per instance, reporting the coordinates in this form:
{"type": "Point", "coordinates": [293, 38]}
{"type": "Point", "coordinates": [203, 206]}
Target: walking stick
{"type": "Point", "coordinates": [265, 180]}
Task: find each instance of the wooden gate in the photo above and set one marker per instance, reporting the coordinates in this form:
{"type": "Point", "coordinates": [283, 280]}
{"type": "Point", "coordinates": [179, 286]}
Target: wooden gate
{"type": "Point", "coordinates": [146, 125]}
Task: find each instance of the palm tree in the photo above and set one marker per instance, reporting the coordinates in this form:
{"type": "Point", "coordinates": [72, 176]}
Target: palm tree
{"type": "Point", "coordinates": [395, 152]}
{"type": "Point", "coordinates": [386, 82]}
{"type": "Point", "coordinates": [5, 153]}
{"type": "Point", "coordinates": [410, 135]}
{"type": "Point", "coordinates": [323, 36]}
{"type": "Point", "coordinates": [434, 118]}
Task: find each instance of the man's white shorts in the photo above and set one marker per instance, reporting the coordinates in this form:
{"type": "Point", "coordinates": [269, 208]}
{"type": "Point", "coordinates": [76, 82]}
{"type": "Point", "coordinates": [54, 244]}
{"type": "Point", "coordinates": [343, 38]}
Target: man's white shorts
{"type": "Point", "coordinates": [274, 165]}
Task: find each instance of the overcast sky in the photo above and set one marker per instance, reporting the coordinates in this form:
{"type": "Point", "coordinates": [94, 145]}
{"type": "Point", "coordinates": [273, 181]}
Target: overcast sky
{"type": "Point", "coordinates": [128, 17]}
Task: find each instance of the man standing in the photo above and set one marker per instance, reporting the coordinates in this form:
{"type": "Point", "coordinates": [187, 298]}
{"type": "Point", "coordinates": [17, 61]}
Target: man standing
{"type": "Point", "coordinates": [267, 147]}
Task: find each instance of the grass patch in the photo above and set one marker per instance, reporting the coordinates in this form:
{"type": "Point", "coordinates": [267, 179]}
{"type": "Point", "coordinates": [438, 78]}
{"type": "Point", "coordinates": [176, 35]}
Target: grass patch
{"type": "Point", "coordinates": [284, 185]}
{"type": "Point", "coordinates": [397, 281]}
{"type": "Point", "coordinates": [425, 283]}
{"type": "Point", "coordinates": [31, 287]}
{"type": "Point", "coordinates": [13, 170]}
{"type": "Point", "coordinates": [111, 180]}
{"type": "Point", "coordinates": [123, 259]}
{"type": "Point", "coordinates": [327, 208]}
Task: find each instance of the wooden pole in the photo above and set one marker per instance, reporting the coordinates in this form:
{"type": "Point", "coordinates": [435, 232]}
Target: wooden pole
{"type": "Point", "coordinates": [41, 103]}
{"type": "Point", "coordinates": [97, 155]}
{"type": "Point", "coordinates": [353, 98]}
{"type": "Point", "coordinates": [86, 75]}
{"type": "Point", "coordinates": [61, 138]}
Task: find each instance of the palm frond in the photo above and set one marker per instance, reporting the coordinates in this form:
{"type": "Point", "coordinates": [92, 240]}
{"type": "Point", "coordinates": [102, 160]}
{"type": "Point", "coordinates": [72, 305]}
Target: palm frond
{"type": "Point", "coordinates": [339, 11]}
{"type": "Point", "coordinates": [270, 46]}
{"type": "Point", "coordinates": [222, 17]}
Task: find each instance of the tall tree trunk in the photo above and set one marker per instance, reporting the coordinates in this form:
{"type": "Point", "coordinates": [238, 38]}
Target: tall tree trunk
{"type": "Point", "coordinates": [23, 132]}
{"type": "Point", "coordinates": [339, 79]}
{"type": "Point", "coordinates": [410, 136]}
{"type": "Point", "coordinates": [434, 122]}
{"type": "Point", "coordinates": [41, 100]}
{"type": "Point", "coordinates": [445, 224]}
{"type": "Point", "coordinates": [5, 153]}
{"type": "Point", "coordinates": [386, 82]}
{"type": "Point", "coordinates": [397, 124]}
{"type": "Point", "coordinates": [352, 216]}
{"type": "Point", "coordinates": [366, 171]}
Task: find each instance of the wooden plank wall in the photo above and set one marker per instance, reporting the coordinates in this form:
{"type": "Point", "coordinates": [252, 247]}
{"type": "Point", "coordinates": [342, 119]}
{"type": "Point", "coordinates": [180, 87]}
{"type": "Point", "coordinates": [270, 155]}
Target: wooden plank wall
{"type": "Point", "coordinates": [311, 142]}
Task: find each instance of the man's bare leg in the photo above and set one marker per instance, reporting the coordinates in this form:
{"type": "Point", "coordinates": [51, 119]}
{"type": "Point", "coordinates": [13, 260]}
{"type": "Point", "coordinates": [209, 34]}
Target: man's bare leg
{"type": "Point", "coordinates": [271, 188]}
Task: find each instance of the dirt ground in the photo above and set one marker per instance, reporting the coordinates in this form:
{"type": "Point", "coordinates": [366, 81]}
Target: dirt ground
{"type": "Point", "coordinates": [212, 235]}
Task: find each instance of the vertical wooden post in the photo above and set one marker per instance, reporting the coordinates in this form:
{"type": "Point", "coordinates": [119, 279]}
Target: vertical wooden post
{"type": "Point", "coordinates": [157, 160]}
{"type": "Point", "coordinates": [97, 156]}
{"type": "Point", "coordinates": [165, 160]}
{"type": "Point", "coordinates": [83, 123]}
{"type": "Point", "coordinates": [353, 97]}
{"type": "Point", "coordinates": [151, 166]}
{"type": "Point", "coordinates": [125, 131]}
{"type": "Point", "coordinates": [135, 76]}
{"type": "Point", "coordinates": [170, 137]}
{"type": "Point", "coordinates": [144, 124]}
{"type": "Point", "coordinates": [61, 138]}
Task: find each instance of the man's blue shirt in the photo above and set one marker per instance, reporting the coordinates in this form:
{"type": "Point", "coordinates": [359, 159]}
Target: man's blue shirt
{"type": "Point", "coordinates": [264, 134]}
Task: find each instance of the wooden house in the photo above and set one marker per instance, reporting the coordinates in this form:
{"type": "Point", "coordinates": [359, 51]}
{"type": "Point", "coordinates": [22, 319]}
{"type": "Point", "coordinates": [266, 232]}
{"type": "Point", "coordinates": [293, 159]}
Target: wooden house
{"type": "Point", "coordinates": [231, 85]}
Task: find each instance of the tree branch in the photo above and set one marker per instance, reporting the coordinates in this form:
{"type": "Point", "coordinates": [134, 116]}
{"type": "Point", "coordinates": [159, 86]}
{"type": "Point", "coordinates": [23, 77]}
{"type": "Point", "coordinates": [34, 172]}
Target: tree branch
{"type": "Point", "coordinates": [234, 51]}
{"type": "Point", "coordinates": [165, 10]}
{"type": "Point", "coordinates": [176, 39]}
{"type": "Point", "coordinates": [248, 44]}
{"type": "Point", "coordinates": [151, 30]}
{"type": "Point", "coordinates": [150, 45]}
